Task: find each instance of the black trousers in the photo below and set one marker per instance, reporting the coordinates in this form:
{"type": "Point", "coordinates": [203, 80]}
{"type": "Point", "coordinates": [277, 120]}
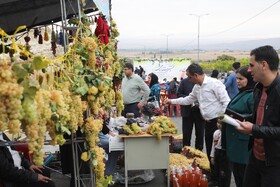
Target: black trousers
{"type": "Point", "coordinates": [222, 168]}
{"type": "Point", "coordinates": [195, 119]}
{"type": "Point", "coordinates": [238, 173]}
{"type": "Point", "coordinates": [131, 108]}
{"type": "Point", "coordinates": [257, 174]}
{"type": "Point", "coordinates": [210, 128]}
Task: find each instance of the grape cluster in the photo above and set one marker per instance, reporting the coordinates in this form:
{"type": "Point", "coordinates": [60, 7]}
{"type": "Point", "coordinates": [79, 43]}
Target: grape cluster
{"type": "Point", "coordinates": [44, 113]}
{"type": "Point", "coordinates": [91, 129]}
{"type": "Point", "coordinates": [10, 96]}
{"type": "Point", "coordinates": [160, 125]}
{"type": "Point", "coordinates": [75, 107]}
{"type": "Point", "coordinates": [119, 103]}
{"type": "Point", "coordinates": [30, 122]}
{"type": "Point", "coordinates": [132, 129]}
{"type": "Point", "coordinates": [60, 116]}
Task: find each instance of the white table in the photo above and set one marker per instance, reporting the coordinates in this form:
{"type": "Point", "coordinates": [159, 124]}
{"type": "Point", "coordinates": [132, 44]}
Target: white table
{"type": "Point", "coordinates": [146, 152]}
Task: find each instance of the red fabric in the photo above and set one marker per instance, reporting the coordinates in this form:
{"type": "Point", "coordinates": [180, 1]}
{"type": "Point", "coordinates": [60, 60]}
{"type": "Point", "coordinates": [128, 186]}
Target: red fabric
{"type": "Point", "coordinates": [102, 30]}
{"type": "Point", "coordinates": [258, 147]}
{"type": "Point", "coordinates": [106, 31]}
{"type": "Point", "coordinates": [24, 149]}
{"type": "Point", "coordinates": [99, 27]}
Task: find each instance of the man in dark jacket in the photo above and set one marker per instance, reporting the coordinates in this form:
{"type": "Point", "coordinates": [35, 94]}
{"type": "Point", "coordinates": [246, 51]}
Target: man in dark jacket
{"type": "Point", "coordinates": [264, 162]}
{"type": "Point", "coordinates": [191, 115]}
{"type": "Point", "coordinates": [173, 85]}
{"type": "Point", "coordinates": [17, 171]}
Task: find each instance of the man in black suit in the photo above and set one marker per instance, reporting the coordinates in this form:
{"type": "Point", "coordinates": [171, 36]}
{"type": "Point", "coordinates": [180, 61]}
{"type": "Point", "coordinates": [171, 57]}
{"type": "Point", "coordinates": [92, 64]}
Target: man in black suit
{"type": "Point", "coordinates": [191, 115]}
{"type": "Point", "coordinates": [17, 171]}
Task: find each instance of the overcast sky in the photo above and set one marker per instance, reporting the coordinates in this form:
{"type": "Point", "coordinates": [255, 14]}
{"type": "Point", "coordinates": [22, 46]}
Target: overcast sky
{"type": "Point", "coordinates": [146, 23]}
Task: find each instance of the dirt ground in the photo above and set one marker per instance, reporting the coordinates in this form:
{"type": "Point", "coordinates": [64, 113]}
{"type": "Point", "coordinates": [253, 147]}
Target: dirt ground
{"type": "Point", "coordinates": [204, 56]}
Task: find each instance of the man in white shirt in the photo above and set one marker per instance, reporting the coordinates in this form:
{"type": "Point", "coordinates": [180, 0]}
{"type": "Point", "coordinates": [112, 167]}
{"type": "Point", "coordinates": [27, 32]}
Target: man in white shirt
{"type": "Point", "coordinates": [212, 97]}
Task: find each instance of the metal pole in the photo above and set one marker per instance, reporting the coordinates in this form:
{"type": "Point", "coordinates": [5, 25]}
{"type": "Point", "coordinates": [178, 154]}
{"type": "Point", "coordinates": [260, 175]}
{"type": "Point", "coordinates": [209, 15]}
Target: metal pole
{"type": "Point", "coordinates": [167, 43]}
{"type": "Point", "coordinates": [74, 159]}
{"type": "Point", "coordinates": [198, 39]}
{"type": "Point", "coordinates": [167, 37]}
{"type": "Point", "coordinates": [79, 10]}
{"type": "Point", "coordinates": [198, 32]}
{"type": "Point", "coordinates": [63, 21]}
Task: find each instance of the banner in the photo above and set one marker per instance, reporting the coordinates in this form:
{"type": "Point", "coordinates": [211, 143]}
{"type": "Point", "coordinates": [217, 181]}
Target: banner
{"type": "Point", "coordinates": [164, 69]}
{"type": "Point", "coordinates": [104, 7]}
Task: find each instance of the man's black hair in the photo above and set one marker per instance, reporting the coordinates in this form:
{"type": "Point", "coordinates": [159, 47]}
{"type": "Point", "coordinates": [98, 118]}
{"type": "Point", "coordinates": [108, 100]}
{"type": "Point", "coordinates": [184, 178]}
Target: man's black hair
{"type": "Point", "coordinates": [129, 66]}
{"type": "Point", "coordinates": [215, 73]}
{"type": "Point", "coordinates": [195, 69]}
{"type": "Point", "coordinates": [236, 65]}
{"type": "Point", "coordinates": [268, 54]}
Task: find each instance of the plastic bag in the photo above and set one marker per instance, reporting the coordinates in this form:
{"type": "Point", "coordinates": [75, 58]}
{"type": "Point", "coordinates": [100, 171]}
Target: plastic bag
{"type": "Point", "coordinates": [134, 176]}
{"type": "Point", "coordinates": [120, 121]}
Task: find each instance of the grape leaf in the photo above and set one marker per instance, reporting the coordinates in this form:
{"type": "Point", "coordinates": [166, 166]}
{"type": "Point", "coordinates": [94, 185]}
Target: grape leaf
{"type": "Point", "coordinates": [39, 63]}
{"type": "Point", "coordinates": [19, 71]}
{"type": "Point", "coordinates": [79, 86]}
{"type": "Point", "coordinates": [65, 129]}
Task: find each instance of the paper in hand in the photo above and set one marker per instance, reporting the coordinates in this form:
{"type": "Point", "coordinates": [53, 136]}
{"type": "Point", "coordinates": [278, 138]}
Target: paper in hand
{"type": "Point", "coordinates": [229, 120]}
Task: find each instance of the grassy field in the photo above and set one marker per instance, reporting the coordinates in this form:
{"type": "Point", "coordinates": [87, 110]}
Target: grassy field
{"type": "Point", "coordinates": [203, 56]}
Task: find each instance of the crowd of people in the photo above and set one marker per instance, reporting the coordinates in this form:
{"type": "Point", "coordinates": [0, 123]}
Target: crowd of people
{"type": "Point", "coordinates": [248, 151]}
{"type": "Point", "coordinates": [250, 94]}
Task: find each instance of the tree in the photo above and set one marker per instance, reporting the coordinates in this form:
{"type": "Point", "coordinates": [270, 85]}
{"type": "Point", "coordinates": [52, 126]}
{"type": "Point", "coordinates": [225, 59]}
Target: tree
{"type": "Point", "coordinates": [226, 57]}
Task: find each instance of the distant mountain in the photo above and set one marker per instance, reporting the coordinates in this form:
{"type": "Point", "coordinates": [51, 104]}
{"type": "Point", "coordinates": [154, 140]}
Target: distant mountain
{"type": "Point", "coordinates": [243, 45]}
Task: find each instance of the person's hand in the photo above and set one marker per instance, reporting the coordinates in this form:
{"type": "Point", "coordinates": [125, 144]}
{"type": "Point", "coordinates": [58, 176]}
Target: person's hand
{"type": "Point", "coordinates": [140, 105]}
{"type": "Point", "coordinates": [167, 101]}
{"type": "Point", "coordinates": [34, 168]}
{"type": "Point", "coordinates": [245, 127]}
{"type": "Point", "coordinates": [212, 160]}
{"type": "Point", "coordinates": [43, 178]}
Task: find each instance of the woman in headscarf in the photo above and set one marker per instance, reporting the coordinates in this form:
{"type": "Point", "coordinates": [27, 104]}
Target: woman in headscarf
{"type": "Point", "coordinates": [236, 143]}
{"type": "Point", "coordinates": [154, 87]}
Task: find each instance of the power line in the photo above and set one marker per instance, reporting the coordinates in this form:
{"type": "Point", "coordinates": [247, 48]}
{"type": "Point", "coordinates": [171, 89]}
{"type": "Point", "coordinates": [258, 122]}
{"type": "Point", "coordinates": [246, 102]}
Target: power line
{"type": "Point", "coordinates": [244, 21]}
{"type": "Point", "coordinates": [190, 42]}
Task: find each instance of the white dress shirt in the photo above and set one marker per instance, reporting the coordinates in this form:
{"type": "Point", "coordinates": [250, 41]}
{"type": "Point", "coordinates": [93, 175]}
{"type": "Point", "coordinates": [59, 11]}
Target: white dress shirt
{"type": "Point", "coordinates": [211, 95]}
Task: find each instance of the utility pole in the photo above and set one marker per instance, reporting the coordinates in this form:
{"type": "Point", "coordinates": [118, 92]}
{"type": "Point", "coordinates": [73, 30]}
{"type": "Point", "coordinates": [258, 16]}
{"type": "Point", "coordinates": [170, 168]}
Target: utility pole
{"type": "Point", "coordinates": [198, 31]}
{"type": "Point", "coordinates": [167, 37]}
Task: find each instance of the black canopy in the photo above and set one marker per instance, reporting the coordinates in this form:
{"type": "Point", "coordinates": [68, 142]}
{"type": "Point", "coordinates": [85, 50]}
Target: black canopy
{"type": "Point", "coordinates": [14, 13]}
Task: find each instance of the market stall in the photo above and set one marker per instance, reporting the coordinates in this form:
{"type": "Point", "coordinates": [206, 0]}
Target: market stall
{"type": "Point", "coordinates": [70, 93]}
{"type": "Point", "coordinates": [143, 152]}
{"type": "Point", "coordinates": [62, 94]}
{"type": "Point", "coordinates": [32, 13]}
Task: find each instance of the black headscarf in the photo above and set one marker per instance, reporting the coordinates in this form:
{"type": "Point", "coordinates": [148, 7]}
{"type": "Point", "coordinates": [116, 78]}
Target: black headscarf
{"type": "Point", "coordinates": [154, 79]}
{"type": "Point", "coordinates": [244, 72]}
